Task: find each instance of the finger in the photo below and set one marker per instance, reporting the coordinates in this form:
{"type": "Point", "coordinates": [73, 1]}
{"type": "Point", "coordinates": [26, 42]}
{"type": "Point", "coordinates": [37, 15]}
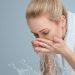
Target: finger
{"type": "Point", "coordinates": [48, 42]}
{"type": "Point", "coordinates": [53, 46]}
{"type": "Point", "coordinates": [44, 45]}
{"type": "Point", "coordinates": [35, 44]}
{"type": "Point", "coordinates": [41, 50]}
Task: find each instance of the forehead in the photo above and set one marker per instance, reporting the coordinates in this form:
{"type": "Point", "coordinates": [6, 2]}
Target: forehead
{"type": "Point", "coordinates": [38, 23]}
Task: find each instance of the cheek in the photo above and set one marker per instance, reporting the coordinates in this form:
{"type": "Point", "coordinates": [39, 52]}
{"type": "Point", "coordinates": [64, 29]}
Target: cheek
{"type": "Point", "coordinates": [58, 33]}
{"type": "Point", "coordinates": [51, 35]}
{"type": "Point", "coordinates": [55, 32]}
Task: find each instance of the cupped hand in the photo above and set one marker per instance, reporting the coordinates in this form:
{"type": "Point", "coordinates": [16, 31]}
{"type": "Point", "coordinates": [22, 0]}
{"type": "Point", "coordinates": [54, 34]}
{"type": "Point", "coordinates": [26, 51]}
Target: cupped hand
{"type": "Point", "coordinates": [57, 45]}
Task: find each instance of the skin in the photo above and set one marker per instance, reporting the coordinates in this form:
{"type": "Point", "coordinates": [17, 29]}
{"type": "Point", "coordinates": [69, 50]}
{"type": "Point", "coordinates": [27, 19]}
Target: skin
{"type": "Point", "coordinates": [49, 37]}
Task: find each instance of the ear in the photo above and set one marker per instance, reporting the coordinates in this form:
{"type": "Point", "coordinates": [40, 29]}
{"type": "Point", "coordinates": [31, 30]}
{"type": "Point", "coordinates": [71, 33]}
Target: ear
{"type": "Point", "coordinates": [63, 25]}
{"type": "Point", "coordinates": [62, 20]}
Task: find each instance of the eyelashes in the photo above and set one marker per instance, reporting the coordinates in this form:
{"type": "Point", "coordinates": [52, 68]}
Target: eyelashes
{"type": "Point", "coordinates": [44, 33]}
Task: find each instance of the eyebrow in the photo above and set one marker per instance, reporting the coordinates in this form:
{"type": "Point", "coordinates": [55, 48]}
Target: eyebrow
{"type": "Point", "coordinates": [39, 31]}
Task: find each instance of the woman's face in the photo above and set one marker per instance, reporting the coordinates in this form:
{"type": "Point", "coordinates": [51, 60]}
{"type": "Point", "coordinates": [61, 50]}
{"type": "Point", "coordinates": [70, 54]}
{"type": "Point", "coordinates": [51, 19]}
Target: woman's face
{"type": "Point", "coordinates": [42, 27]}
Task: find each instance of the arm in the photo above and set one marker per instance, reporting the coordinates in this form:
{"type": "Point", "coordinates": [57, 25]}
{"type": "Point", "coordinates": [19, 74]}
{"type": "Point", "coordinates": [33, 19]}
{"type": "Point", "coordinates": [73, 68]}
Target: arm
{"type": "Point", "coordinates": [70, 57]}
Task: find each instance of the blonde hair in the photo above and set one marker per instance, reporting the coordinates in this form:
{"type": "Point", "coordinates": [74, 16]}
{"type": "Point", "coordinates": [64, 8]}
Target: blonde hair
{"type": "Point", "coordinates": [55, 8]}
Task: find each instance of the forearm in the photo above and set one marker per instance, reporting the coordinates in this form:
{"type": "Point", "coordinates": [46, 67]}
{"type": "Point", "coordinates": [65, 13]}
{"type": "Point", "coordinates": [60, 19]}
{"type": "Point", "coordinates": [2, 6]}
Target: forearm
{"type": "Point", "coordinates": [70, 57]}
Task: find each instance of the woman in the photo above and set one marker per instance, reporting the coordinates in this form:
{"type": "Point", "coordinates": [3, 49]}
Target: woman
{"type": "Point", "coordinates": [51, 24]}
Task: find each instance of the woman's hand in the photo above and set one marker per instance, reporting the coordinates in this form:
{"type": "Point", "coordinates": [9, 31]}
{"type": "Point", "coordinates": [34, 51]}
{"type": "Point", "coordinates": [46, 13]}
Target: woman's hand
{"type": "Point", "coordinates": [57, 45]}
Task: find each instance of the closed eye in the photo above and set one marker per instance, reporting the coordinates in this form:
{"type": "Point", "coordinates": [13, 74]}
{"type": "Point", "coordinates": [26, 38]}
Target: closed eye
{"type": "Point", "coordinates": [45, 32]}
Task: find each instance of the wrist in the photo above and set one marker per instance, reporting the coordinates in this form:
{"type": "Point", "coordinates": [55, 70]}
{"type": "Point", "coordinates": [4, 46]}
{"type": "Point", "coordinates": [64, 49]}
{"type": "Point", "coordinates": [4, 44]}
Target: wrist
{"type": "Point", "coordinates": [67, 53]}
